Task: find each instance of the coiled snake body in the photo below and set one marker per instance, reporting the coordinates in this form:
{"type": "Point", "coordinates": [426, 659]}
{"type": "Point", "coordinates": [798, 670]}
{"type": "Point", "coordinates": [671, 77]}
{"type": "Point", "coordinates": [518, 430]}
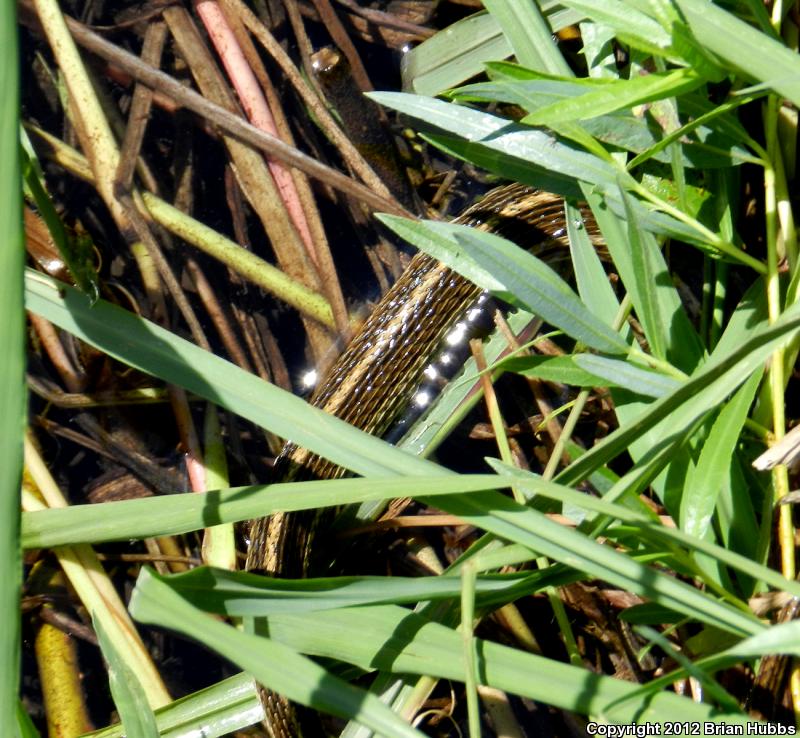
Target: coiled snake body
{"type": "Point", "coordinates": [371, 382]}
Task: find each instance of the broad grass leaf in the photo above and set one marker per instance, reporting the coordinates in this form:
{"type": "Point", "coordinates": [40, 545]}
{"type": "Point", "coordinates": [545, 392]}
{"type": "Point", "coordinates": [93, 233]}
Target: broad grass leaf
{"type": "Point", "coordinates": [523, 153]}
{"type": "Point", "coordinates": [560, 164]}
{"type": "Point", "coordinates": [529, 34]}
{"type": "Point", "coordinates": [460, 51]}
{"type": "Point", "coordinates": [591, 370]}
{"type": "Point", "coordinates": [538, 288]}
{"type": "Point", "coordinates": [562, 369]}
{"type": "Point", "coordinates": [441, 243]}
{"type": "Point", "coordinates": [391, 638]}
{"type": "Point", "coordinates": [514, 275]}
{"type": "Point", "coordinates": [710, 137]}
{"type": "Point", "coordinates": [275, 665]}
{"type": "Point", "coordinates": [758, 56]}
{"type": "Point", "coordinates": [454, 55]}
{"type": "Point", "coordinates": [629, 24]}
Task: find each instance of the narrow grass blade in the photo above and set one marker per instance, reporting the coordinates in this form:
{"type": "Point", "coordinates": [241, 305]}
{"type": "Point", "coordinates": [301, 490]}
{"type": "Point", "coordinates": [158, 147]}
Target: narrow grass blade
{"type": "Point", "coordinates": [619, 95]}
{"type": "Point", "coordinates": [704, 391]}
{"type": "Point", "coordinates": [240, 594]}
{"type": "Point", "coordinates": [648, 528]}
{"type": "Point", "coordinates": [75, 250]}
{"type": "Point", "coordinates": [667, 327]}
{"type": "Point", "coordinates": [129, 697]}
{"type": "Point", "coordinates": [173, 514]}
{"type": "Point", "coordinates": [624, 374]}
{"type": "Point", "coordinates": [590, 276]}
{"type": "Point", "coordinates": [12, 371]}
{"type": "Point", "coordinates": [276, 666]}
{"type": "Point", "coordinates": [25, 726]}
{"type": "Point", "coordinates": [642, 283]}
{"type": "Point", "coordinates": [529, 34]}
{"type": "Point", "coordinates": [713, 466]}
{"type": "Point", "coordinates": [780, 638]}
{"type": "Point", "coordinates": [507, 519]}
{"type": "Point", "coordinates": [629, 24]}
{"type": "Point", "coordinates": [145, 346]}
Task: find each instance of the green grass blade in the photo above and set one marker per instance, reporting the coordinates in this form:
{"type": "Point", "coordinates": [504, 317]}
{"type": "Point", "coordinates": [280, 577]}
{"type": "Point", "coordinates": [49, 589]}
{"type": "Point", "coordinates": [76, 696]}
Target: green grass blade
{"type": "Point", "coordinates": [590, 276]}
{"type": "Point", "coordinates": [145, 346]}
{"type": "Point", "coordinates": [75, 250]}
{"type": "Point", "coordinates": [667, 327]}
{"type": "Point", "coordinates": [129, 697]}
{"type": "Point", "coordinates": [529, 34]}
{"type": "Point", "coordinates": [648, 528]}
{"type": "Point", "coordinates": [562, 369]}
{"type": "Point", "coordinates": [25, 726]}
{"type": "Point", "coordinates": [619, 95]}
{"type": "Point", "coordinates": [642, 284]}
{"type": "Point", "coordinates": [713, 466]}
{"type": "Point", "coordinates": [460, 51]}
{"type": "Point", "coordinates": [634, 378]}
{"type": "Point", "coordinates": [629, 24]}
{"type": "Point", "coordinates": [454, 55]}
{"type": "Point", "coordinates": [755, 54]}
{"type": "Point", "coordinates": [273, 664]}
{"type": "Point", "coordinates": [240, 594]}
{"type": "Point", "coordinates": [780, 638]}
{"type": "Point", "coordinates": [704, 391]}
{"type": "Point", "coordinates": [702, 146]}
{"type": "Point", "coordinates": [523, 153]}
{"type": "Point", "coordinates": [12, 371]}
{"type": "Point", "coordinates": [173, 514]}
{"type": "Point", "coordinates": [392, 639]}
{"type": "Point", "coordinates": [563, 163]}
{"type": "Point", "coordinates": [513, 275]}
{"type": "Point", "coordinates": [228, 706]}
{"type": "Point", "coordinates": [507, 519]}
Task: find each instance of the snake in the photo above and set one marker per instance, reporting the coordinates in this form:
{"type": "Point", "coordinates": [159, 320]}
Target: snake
{"type": "Point", "coordinates": [372, 381]}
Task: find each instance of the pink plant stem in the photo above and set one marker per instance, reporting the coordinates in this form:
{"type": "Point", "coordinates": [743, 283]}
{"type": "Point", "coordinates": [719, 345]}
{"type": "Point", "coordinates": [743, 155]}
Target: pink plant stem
{"type": "Point", "coordinates": [255, 107]}
{"type": "Point", "coordinates": [193, 456]}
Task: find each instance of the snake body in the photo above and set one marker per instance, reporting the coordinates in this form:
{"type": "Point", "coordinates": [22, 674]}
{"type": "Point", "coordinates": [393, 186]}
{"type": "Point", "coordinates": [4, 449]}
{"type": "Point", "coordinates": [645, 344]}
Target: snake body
{"type": "Point", "coordinates": [371, 382]}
